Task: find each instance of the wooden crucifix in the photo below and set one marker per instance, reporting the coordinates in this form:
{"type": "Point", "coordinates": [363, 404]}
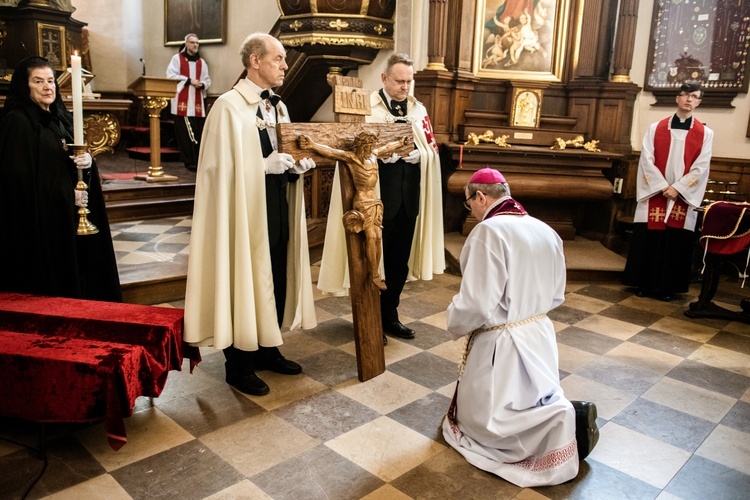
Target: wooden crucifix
{"type": "Point", "coordinates": [351, 141]}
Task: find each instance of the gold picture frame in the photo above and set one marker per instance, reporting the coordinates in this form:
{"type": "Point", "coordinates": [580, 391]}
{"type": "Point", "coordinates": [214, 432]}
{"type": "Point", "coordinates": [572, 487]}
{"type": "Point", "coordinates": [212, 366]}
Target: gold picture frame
{"type": "Point", "coordinates": [520, 39]}
{"type": "Point", "coordinates": [51, 43]}
{"type": "Point", "coordinates": [205, 18]}
{"type": "Point", "coordinates": [526, 107]}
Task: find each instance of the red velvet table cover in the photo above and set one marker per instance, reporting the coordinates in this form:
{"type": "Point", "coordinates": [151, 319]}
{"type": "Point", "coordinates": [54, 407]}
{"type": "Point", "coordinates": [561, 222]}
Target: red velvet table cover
{"type": "Point", "coordinates": [70, 360]}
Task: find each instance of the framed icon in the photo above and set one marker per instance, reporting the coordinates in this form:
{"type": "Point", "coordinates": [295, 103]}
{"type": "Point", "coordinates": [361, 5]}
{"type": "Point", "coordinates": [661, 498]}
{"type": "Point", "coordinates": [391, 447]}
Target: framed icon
{"type": "Point", "coordinates": [526, 107]}
{"type": "Point", "coordinates": [51, 43]}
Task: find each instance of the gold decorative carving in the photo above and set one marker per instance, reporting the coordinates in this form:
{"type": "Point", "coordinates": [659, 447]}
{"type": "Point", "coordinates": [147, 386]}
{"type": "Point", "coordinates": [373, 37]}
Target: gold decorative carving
{"type": "Point", "coordinates": [102, 132]}
{"type": "Point", "coordinates": [577, 142]}
{"type": "Point", "coordinates": [296, 25]}
{"type": "Point", "coordinates": [357, 40]}
{"type": "Point", "coordinates": [488, 136]}
{"type": "Point", "coordinates": [338, 24]}
{"type": "Point", "coordinates": [380, 29]}
{"type": "Point", "coordinates": [154, 105]}
{"type": "Point", "coordinates": [3, 32]}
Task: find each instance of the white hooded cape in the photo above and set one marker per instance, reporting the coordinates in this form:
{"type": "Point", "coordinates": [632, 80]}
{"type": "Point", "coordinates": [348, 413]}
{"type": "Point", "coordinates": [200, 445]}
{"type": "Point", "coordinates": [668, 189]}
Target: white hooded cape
{"type": "Point", "coordinates": [229, 298]}
{"type": "Point", "coordinates": [427, 250]}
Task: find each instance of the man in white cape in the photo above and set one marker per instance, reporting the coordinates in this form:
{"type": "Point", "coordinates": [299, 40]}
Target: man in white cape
{"type": "Point", "coordinates": [410, 189]}
{"type": "Point", "coordinates": [249, 267]}
{"type": "Point", "coordinates": [509, 415]}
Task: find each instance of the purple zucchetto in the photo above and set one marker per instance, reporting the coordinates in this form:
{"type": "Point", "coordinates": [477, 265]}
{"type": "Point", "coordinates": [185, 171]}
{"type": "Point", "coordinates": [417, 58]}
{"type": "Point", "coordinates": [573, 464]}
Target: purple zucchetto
{"type": "Point", "coordinates": [487, 176]}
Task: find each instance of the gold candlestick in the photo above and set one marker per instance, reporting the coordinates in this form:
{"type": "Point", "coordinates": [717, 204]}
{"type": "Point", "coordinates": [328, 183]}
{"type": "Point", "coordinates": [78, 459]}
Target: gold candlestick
{"type": "Point", "coordinates": [84, 225]}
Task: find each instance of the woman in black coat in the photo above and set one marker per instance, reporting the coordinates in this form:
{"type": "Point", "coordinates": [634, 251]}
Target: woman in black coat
{"type": "Point", "coordinates": [40, 252]}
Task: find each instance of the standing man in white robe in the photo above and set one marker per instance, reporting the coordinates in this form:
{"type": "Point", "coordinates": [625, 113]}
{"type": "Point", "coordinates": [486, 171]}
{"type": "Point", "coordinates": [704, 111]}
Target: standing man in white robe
{"type": "Point", "coordinates": [672, 177]}
{"type": "Point", "coordinates": [189, 106]}
{"type": "Point", "coordinates": [249, 266]}
{"type": "Point", "coordinates": [410, 189]}
{"type": "Point", "coordinates": [509, 415]}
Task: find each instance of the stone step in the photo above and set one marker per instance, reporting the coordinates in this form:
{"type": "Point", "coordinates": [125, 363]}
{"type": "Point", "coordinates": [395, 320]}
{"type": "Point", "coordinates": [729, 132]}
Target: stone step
{"type": "Point", "coordinates": [149, 201]}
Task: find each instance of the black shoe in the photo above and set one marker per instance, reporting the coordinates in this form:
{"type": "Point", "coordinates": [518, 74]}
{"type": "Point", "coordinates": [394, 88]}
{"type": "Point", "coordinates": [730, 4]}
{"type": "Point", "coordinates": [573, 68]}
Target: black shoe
{"type": "Point", "coordinates": [385, 340]}
{"type": "Point", "coordinates": [397, 329]}
{"type": "Point", "coordinates": [667, 297]}
{"type": "Point", "coordinates": [587, 432]}
{"type": "Point", "coordinates": [278, 364]}
{"type": "Point", "coordinates": [247, 382]}
{"type": "Point", "coordinates": [641, 292]}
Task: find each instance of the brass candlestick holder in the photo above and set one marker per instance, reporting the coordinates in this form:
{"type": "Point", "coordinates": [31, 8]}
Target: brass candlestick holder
{"type": "Point", "coordinates": [84, 225]}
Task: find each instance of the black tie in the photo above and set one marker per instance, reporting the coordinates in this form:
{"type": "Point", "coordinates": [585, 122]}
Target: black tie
{"type": "Point", "coordinates": [272, 98]}
{"type": "Point", "coordinates": [398, 108]}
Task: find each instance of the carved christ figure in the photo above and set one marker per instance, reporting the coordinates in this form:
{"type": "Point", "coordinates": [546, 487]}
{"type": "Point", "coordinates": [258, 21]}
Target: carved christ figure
{"type": "Point", "coordinates": [361, 158]}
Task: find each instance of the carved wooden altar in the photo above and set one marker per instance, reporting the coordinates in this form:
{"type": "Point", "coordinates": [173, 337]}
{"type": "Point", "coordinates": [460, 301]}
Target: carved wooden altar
{"type": "Point", "coordinates": [556, 186]}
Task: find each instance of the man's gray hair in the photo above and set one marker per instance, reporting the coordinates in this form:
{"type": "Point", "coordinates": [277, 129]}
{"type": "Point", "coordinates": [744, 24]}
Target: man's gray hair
{"type": "Point", "coordinates": [398, 58]}
{"type": "Point", "coordinates": [495, 191]}
{"type": "Point", "coordinates": [189, 35]}
{"type": "Point", "coordinates": [254, 44]}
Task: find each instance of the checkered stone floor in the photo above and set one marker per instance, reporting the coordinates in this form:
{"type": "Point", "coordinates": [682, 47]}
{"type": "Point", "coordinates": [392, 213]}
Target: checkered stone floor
{"type": "Point", "coordinates": [673, 396]}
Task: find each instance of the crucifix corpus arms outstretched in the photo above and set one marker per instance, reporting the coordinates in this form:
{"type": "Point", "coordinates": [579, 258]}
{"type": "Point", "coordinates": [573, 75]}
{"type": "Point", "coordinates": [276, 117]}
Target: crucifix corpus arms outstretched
{"type": "Point", "coordinates": [361, 158]}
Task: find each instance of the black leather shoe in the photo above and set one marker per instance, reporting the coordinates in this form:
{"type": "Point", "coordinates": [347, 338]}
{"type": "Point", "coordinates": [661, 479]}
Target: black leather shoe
{"type": "Point", "coordinates": [397, 329]}
{"type": "Point", "coordinates": [247, 382]}
{"type": "Point", "coordinates": [667, 297]}
{"type": "Point", "coordinates": [587, 432]}
{"type": "Point", "coordinates": [279, 365]}
{"type": "Point", "coordinates": [641, 292]}
{"type": "Point", "coordinates": [385, 340]}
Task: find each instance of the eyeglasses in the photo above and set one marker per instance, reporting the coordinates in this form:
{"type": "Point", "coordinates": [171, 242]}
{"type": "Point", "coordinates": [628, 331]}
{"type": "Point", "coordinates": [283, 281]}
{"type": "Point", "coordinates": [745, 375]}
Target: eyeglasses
{"type": "Point", "coordinates": [692, 97]}
{"type": "Point", "coordinates": [466, 202]}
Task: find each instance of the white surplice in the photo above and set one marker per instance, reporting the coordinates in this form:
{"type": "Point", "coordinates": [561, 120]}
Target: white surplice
{"type": "Point", "coordinates": [512, 417]}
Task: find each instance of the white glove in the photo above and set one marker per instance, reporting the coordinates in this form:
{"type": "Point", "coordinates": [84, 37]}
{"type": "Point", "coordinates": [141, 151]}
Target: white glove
{"type": "Point", "coordinates": [413, 157]}
{"type": "Point", "coordinates": [82, 161]}
{"type": "Point", "coordinates": [393, 159]}
{"type": "Point", "coordinates": [82, 198]}
{"type": "Point", "coordinates": [278, 163]}
{"type": "Point", "coordinates": [304, 165]}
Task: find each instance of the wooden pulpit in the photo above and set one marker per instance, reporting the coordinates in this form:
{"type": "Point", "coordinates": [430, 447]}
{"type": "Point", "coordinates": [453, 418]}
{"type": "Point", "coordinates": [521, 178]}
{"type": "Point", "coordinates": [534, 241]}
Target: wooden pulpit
{"type": "Point", "coordinates": [155, 93]}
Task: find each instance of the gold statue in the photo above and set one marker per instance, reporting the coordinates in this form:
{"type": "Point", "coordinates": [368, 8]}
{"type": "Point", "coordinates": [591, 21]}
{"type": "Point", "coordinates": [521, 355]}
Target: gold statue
{"type": "Point", "coordinates": [576, 142]}
{"type": "Point", "coordinates": [488, 136]}
{"type": "Point", "coordinates": [559, 144]}
{"type": "Point", "coordinates": [592, 146]}
{"type": "Point", "coordinates": [361, 158]}
{"type": "Point", "coordinates": [502, 141]}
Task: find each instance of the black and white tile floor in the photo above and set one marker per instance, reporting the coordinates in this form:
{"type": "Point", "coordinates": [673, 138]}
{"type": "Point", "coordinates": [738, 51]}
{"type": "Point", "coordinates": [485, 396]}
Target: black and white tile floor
{"type": "Point", "coordinates": [673, 396]}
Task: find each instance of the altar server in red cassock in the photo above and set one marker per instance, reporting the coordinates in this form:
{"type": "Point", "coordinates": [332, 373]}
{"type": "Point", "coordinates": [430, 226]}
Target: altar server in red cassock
{"type": "Point", "coordinates": [188, 106]}
{"type": "Point", "coordinates": [672, 176]}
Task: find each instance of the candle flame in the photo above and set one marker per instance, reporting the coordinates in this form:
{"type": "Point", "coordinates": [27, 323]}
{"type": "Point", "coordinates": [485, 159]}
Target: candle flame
{"type": "Point", "coordinates": [75, 53]}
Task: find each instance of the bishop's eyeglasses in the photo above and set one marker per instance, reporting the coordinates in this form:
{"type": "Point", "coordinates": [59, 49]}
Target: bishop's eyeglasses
{"type": "Point", "coordinates": [466, 202]}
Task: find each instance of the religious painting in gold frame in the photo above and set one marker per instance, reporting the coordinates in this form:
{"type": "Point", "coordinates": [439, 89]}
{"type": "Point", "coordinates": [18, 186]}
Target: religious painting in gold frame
{"type": "Point", "coordinates": [51, 43]}
{"type": "Point", "coordinates": [205, 18]}
{"type": "Point", "coordinates": [520, 39]}
{"type": "Point", "coordinates": [526, 107]}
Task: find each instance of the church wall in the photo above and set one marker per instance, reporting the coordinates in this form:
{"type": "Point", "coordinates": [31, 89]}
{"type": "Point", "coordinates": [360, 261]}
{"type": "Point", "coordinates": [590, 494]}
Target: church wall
{"type": "Point", "coordinates": [729, 125]}
{"type": "Point", "coordinates": [122, 31]}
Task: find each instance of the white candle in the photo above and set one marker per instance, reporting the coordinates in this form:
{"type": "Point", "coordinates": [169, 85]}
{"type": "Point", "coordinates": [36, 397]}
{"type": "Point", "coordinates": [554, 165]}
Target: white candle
{"type": "Point", "coordinates": [75, 65]}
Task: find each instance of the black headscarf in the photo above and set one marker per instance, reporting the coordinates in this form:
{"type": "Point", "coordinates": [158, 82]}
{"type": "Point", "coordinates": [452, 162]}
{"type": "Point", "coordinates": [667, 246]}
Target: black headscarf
{"type": "Point", "coordinates": [19, 96]}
